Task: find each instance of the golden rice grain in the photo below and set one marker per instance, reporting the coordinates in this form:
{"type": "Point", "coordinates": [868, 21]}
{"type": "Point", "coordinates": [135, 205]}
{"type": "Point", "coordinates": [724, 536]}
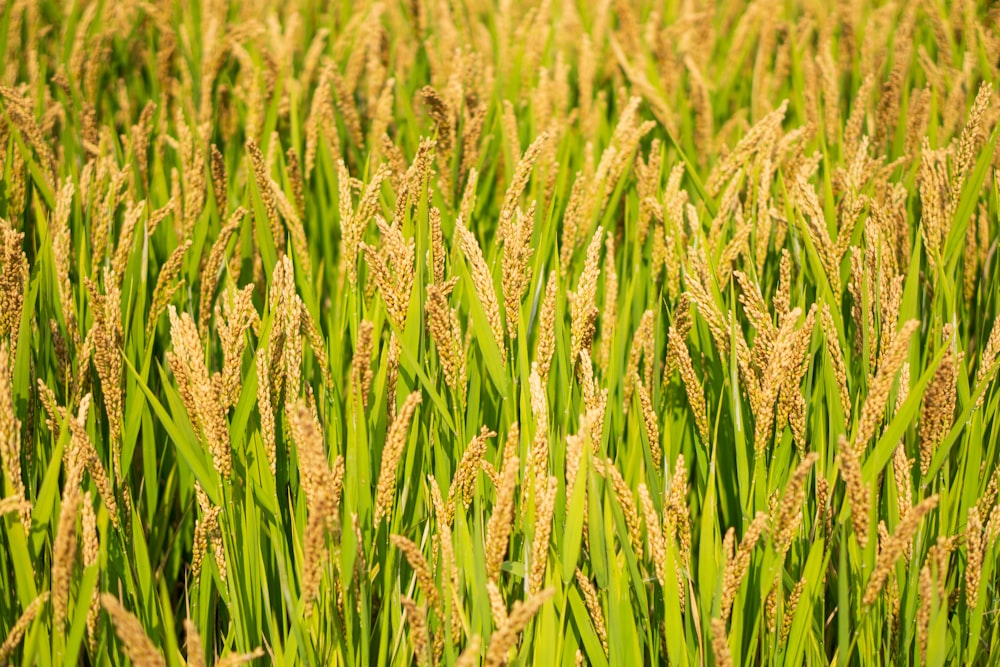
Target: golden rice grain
{"type": "Point", "coordinates": [895, 547]}
{"type": "Point", "coordinates": [736, 567]}
{"type": "Point", "coordinates": [395, 443]}
{"type": "Point", "coordinates": [137, 645]}
{"type": "Point", "coordinates": [545, 500]}
{"type": "Point", "coordinates": [545, 343]}
{"type": "Point", "coordinates": [20, 627]}
{"type": "Point", "coordinates": [500, 523]}
{"type": "Point", "coordinates": [482, 281]}
{"type": "Point", "coordinates": [720, 643]}
{"type": "Point", "coordinates": [505, 638]}
{"type": "Point", "coordinates": [583, 302]}
{"type": "Point", "coordinates": [593, 603]}
{"type": "Point", "coordinates": [858, 493]}
{"type": "Point", "coordinates": [878, 392]}
{"type": "Point", "coordinates": [421, 569]}
{"type": "Point", "coordinates": [213, 265]}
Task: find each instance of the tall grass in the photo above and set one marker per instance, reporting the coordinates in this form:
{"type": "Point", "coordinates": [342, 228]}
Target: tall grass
{"type": "Point", "coordinates": [454, 333]}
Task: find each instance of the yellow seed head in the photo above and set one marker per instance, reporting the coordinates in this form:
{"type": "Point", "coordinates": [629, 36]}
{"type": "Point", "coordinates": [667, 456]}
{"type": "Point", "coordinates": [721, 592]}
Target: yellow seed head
{"type": "Point", "coordinates": [392, 452]}
{"type": "Point", "coordinates": [137, 645]}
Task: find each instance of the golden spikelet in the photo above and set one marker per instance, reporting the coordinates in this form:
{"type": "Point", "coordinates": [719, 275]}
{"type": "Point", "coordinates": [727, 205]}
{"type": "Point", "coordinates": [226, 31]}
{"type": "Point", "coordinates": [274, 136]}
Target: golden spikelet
{"type": "Point", "coordinates": [108, 344]}
{"type": "Point", "coordinates": [790, 606]}
{"type": "Point", "coordinates": [421, 569]}
{"type": "Point", "coordinates": [20, 627]}
{"type": "Point", "coordinates": [933, 183]}
{"type": "Point", "coordinates": [515, 265]}
{"type": "Point", "coordinates": [791, 403]}
{"type": "Point", "coordinates": [212, 267]}
{"type": "Point", "coordinates": [361, 365]}
{"type": "Point", "coordinates": [757, 312]}
{"type": "Point", "coordinates": [315, 556]}
{"type": "Point", "coordinates": [392, 452]}
{"type": "Point", "coordinates": [482, 281]}
{"type": "Point", "coordinates": [125, 238]}
{"type": "Point", "coordinates": [315, 473]}
{"type": "Point", "coordinates": [201, 397]}
{"type": "Point", "coordinates": [296, 230]}
{"type": "Point", "coordinates": [21, 118]}
{"type": "Point", "coordinates": [392, 375]}
{"type": "Point", "coordinates": [194, 648]}
{"type": "Point", "coordinates": [236, 318]}
{"type": "Point", "coordinates": [901, 476]}
{"type": "Point", "coordinates": [858, 493]}
{"type": "Point", "coordinates": [320, 115]}
{"type": "Point", "coordinates": [295, 180]}
{"type": "Point", "coordinates": [593, 603]}
{"type": "Point", "coordinates": [873, 408]}
{"type": "Point", "coordinates": [545, 343]}
{"type": "Point", "coordinates": [62, 253]}
{"type": "Point", "coordinates": [508, 121]}
{"type": "Point", "coordinates": [470, 656]}
{"type": "Point", "coordinates": [208, 534]}
{"type": "Point", "coordinates": [10, 436]}
{"type": "Point", "coordinates": [346, 105]}
{"type": "Point", "coordinates": [263, 179]}
{"type": "Point", "coordinates": [317, 343]}
{"type": "Point", "coordinates": [468, 202]}
{"type": "Point", "coordinates": [505, 638]}
{"type": "Point", "coordinates": [896, 545]}
{"type": "Point", "coordinates": [439, 111]}
{"type": "Point", "coordinates": [836, 360]}
{"type": "Point", "coordinates": [285, 303]}
{"type": "Point", "coordinates": [736, 567]}
{"type": "Point", "coordinates": [13, 504]}
{"type": "Point", "coordinates": [13, 283]}
{"type": "Point", "coordinates": [573, 218]}
{"type": "Point", "coordinates": [654, 533]}
{"type": "Point", "coordinates": [926, 587]}
{"type": "Point", "coordinates": [678, 353]}
{"type": "Point", "coordinates": [219, 180]}
{"type": "Point", "coordinates": [720, 643]}
{"type": "Point", "coordinates": [539, 453]}
{"type": "Point", "coordinates": [445, 329]}
{"type": "Point", "coordinates": [609, 317]}
{"type": "Point", "coordinates": [265, 407]}
{"type": "Point", "coordinates": [444, 539]}
{"type": "Point", "coordinates": [518, 183]}
{"type": "Point", "coordinates": [939, 399]}
{"type": "Point", "coordinates": [627, 502]}
{"type": "Point", "coordinates": [583, 302]}
{"type": "Point", "coordinates": [988, 361]}
{"type": "Point", "coordinates": [974, 557]}
{"type": "Point", "coordinates": [545, 501]}
{"type": "Point", "coordinates": [650, 420]}
{"type": "Point", "coordinates": [418, 631]}
{"type": "Point", "coordinates": [641, 348]}
{"type": "Point", "coordinates": [501, 520]}
{"type": "Point", "coordinates": [789, 515]}
{"type": "Point", "coordinates": [436, 252]}
{"type": "Point", "coordinates": [137, 645]}
{"type": "Point", "coordinates": [969, 144]}
{"type": "Point", "coordinates": [236, 659]}
{"type": "Point", "coordinates": [64, 545]}
{"type": "Point", "coordinates": [497, 606]}
{"type": "Point", "coordinates": [463, 484]}
{"type": "Point", "coordinates": [165, 288]}
{"type": "Point", "coordinates": [91, 553]}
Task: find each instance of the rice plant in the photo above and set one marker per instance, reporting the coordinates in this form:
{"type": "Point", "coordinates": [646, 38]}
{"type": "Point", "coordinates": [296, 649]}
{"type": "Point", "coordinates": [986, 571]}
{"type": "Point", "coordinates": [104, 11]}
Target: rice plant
{"type": "Point", "coordinates": [453, 332]}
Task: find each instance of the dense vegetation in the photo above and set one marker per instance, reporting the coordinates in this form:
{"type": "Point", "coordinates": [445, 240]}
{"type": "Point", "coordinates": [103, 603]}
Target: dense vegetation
{"type": "Point", "coordinates": [453, 333]}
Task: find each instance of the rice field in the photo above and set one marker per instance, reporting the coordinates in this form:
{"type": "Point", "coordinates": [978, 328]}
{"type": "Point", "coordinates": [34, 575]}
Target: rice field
{"type": "Point", "coordinates": [454, 333]}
